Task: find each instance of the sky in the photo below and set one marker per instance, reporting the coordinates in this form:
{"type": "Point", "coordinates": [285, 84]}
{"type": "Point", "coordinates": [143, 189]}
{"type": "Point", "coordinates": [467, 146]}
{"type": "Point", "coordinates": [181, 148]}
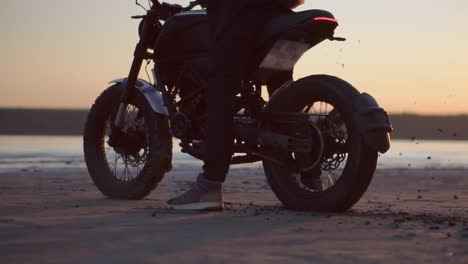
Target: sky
{"type": "Point", "coordinates": [410, 55]}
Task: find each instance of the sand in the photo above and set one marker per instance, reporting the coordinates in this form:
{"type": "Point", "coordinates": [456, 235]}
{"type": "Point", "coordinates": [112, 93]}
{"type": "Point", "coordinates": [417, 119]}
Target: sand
{"type": "Point", "coordinates": [58, 216]}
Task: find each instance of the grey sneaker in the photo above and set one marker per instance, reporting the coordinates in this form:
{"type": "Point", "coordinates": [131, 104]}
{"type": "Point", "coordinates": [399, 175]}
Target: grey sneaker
{"type": "Point", "coordinates": [205, 195]}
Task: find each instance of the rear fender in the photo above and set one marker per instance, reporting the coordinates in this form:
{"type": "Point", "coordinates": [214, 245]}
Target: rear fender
{"type": "Point", "coordinates": [152, 96]}
{"type": "Point", "coordinates": [373, 123]}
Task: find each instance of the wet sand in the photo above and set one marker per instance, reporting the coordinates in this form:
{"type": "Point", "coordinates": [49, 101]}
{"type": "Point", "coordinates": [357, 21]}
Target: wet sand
{"type": "Point", "coordinates": [58, 216]}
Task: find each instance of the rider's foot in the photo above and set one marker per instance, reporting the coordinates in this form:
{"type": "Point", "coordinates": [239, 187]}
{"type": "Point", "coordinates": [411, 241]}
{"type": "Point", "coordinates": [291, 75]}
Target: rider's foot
{"type": "Point", "coordinates": [205, 195]}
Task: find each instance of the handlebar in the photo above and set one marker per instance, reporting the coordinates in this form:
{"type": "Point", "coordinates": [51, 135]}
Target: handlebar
{"type": "Point", "coordinates": [167, 10]}
{"type": "Point", "coordinates": [191, 5]}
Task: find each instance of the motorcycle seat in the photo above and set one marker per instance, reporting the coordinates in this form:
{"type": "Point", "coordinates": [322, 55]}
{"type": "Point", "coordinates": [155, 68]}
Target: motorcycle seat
{"type": "Point", "coordinates": [286, 22]}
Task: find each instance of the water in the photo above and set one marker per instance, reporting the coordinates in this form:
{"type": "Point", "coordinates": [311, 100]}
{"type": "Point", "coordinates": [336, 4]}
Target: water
{"type": "Point", "coordinates": [60, 151]}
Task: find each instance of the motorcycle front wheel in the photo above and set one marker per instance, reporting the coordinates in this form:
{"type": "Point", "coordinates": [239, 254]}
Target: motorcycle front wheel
{"type": "Point", "coordinates": [341, 165]}
{"type": "Point", "coordinates": [135, 166]}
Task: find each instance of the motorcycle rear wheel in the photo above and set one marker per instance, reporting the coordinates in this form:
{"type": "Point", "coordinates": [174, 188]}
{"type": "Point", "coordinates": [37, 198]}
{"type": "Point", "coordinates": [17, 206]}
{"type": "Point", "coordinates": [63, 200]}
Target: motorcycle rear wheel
{"type": "Point", "coordinates": [355, 167]}
{"type": "Point", "coordinates": [117, 172]}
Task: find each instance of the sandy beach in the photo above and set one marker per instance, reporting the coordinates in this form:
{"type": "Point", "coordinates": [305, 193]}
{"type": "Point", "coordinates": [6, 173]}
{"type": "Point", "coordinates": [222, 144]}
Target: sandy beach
{"type": "Point", "coordinates": [58, 216]}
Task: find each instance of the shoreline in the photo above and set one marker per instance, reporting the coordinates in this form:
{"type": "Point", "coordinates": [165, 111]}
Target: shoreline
{"type": "Point", "coordinates": [57, 122]}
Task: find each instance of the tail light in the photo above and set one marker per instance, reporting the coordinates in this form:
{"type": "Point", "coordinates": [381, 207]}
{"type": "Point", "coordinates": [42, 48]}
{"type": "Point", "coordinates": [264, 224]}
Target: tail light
{"type": "Point", "coordinates": [329, 19]}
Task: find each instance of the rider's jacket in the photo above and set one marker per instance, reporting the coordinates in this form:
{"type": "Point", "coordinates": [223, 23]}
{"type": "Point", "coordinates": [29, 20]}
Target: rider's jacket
{"type": "Point", "coordinates": [223, 13]}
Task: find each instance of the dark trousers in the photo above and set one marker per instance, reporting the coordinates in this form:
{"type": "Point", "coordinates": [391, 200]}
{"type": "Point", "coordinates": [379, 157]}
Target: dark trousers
{"type": "Point", "coordinates": [231, 51]}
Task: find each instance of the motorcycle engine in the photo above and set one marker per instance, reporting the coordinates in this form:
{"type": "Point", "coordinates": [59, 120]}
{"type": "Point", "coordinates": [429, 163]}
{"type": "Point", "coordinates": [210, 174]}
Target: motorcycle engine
{"type": "Point", "coordinates": [190, 120]}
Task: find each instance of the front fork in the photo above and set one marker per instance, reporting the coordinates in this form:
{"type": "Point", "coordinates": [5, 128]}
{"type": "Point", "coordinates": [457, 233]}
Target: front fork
{"type": "Point", "coordinates": [140, 54]}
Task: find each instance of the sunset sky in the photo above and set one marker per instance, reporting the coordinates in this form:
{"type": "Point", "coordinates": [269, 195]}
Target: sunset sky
{"type": "Point", "coordinates": [410, 54]}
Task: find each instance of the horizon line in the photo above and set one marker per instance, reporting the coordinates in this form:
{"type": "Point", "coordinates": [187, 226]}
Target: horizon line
{"type": "Point", "coordinates": [87, 109]}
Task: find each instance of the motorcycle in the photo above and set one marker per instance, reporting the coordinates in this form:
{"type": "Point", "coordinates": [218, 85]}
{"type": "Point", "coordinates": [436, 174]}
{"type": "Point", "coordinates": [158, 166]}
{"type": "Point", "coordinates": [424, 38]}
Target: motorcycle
{"type": "Point", "coordinates": [318, 137]}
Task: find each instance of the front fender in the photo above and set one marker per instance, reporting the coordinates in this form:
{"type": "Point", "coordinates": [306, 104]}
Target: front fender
{"type": "Point", "coordinates": [153, 96]}
{"type": "Point", "coordinates": [373, 122]}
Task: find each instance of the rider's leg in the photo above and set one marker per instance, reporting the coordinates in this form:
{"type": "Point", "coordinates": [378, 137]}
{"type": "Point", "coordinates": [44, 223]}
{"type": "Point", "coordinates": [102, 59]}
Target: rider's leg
{"type": "Point", "coordinates": [231, 52]}
{"type": "Point", "coordinates": [231, 55]}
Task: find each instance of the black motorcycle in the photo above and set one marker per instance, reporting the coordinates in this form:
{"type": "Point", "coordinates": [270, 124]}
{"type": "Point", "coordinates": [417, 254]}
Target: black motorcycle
{"type": "Point", "coordinates": [318, 137]}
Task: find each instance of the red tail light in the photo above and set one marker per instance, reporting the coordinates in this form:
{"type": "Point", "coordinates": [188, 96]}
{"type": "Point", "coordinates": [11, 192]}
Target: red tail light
{"type": "Point", "coordinates": [326, 19]}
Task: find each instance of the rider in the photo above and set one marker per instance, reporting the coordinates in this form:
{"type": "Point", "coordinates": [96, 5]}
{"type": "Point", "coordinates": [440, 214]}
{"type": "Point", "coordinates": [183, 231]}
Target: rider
{"type": "Point", "coordinates": [234, 25]}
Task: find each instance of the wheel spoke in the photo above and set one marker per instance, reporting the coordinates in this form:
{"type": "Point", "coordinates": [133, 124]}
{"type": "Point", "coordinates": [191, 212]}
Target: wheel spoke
{"type": "Point", "coordinates": [114, 166]}
{"type": "Point", "coordinates": [331, 180]}
{"type": "Point", "coordinates": [125, 173]}
{"type": "Point", "coordinates": [108, 149]}
{"type": "Point", "coordinates": [138, 169]}
{"type": "Point", "coordinates": [314, 111]}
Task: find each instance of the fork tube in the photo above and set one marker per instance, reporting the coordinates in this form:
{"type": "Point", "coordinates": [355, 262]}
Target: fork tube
{"type": "Point", "coordinates": [139, 55]}
{"type": "Point", "coordinates": [119, 118]}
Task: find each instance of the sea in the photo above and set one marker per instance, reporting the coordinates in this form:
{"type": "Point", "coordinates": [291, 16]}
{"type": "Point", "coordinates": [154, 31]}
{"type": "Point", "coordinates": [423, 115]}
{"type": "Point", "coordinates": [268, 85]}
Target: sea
{"type": "Point", "coordinates": [25, 152]}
